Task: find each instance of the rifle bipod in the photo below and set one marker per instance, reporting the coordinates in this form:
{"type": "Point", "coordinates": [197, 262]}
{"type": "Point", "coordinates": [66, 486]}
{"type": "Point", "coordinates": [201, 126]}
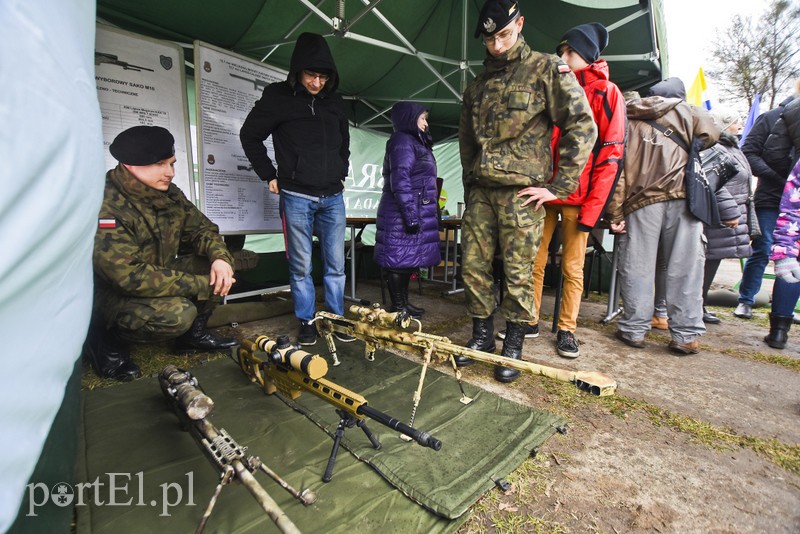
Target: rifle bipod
{"type": "Point", "coordinates": [346, 420]}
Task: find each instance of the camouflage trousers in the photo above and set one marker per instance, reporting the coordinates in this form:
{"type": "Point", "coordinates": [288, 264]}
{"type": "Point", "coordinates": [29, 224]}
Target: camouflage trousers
{"type": "Point", "coordinates": [155, 319]}
{"type": "Point", "coordinates": [494, 220]}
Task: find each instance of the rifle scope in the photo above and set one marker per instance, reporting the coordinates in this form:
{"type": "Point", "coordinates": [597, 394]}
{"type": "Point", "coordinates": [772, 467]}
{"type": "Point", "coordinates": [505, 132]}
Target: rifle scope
{"type": "Point", "coordinates": [183, 388]}
{"type": "Point", "coordinates": [282, 352]}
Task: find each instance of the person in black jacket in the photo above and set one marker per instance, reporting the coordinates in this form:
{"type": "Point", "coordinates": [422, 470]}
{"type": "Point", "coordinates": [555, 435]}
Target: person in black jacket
{"type": "Point", "coordinates": [769, 161]}
{"type": "Point", "coordinates": [306, 118]}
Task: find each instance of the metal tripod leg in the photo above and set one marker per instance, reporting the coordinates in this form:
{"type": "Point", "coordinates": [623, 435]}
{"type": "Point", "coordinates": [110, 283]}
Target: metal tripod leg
{"type": "Point", "coordinates": [346, 421]}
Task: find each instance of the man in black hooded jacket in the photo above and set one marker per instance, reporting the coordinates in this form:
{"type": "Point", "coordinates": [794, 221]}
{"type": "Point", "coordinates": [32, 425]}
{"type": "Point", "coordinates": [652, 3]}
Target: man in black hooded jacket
{"type": "Point", "coordinates": [770, 161]}
{"type": "Point", "coordinates": [306, 119]}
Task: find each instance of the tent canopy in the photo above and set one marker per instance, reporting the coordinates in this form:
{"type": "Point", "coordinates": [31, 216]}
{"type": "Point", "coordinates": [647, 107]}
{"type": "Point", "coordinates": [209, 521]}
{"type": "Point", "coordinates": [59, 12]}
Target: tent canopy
{"type": "Point", "coordinates": [390, 50]}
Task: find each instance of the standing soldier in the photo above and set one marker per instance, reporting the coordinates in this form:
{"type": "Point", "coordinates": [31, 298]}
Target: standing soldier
{"type": "Point", "coordinates": [507, 120]}
{"type": "Point", "coordinates": [160, 265]}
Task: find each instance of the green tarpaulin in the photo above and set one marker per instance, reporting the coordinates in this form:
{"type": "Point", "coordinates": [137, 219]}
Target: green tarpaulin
{"type": "Point", "coordinates": [403, 487]}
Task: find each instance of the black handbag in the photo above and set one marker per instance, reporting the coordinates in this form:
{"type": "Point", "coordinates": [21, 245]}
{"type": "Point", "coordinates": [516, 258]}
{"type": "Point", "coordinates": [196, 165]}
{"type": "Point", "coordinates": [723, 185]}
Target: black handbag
{"type": "Point", "coordinates": [700, 196]}
{"type": "Point", "coordinates": [753, 228]}
{"type": "Point", "coordinates": [719, 167]}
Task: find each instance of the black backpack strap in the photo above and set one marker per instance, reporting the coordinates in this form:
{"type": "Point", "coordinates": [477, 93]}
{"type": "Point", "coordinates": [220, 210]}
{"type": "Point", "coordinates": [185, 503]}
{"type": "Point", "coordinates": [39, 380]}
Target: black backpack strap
{"type": "Point", "coordinates": [668, 132]}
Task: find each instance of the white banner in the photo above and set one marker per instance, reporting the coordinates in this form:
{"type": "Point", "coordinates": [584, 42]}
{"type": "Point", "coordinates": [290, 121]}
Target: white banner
{"type": "Point", "coordinates": [231, 194]}
{"type": "Point", "coordinates": [140, 82]}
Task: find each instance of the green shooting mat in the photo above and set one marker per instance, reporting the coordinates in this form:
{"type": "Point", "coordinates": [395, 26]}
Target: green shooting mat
{"type": "Point", "coordinates": [143, 473]}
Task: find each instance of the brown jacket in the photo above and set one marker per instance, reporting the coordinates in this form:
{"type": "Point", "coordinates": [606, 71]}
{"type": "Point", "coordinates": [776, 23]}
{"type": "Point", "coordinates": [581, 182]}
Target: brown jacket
{"type": "Point", "coordinates": [654, 165]}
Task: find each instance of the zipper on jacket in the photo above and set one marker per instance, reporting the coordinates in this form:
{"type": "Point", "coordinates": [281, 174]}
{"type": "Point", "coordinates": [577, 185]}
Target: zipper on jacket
{"type": "Point", "coordinates": [311, 105]}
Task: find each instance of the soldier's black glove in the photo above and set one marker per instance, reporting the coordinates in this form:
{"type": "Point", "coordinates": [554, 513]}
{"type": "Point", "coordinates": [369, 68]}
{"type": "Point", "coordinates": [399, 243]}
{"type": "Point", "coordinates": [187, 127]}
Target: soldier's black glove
{"type": "Point", "coordinates": [413, 229]}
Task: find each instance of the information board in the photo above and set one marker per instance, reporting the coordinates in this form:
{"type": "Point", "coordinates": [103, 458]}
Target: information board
{"type": "Point", "coordinates": [231, 194]}
{"type": "Point", "coordinates": [141, 81]}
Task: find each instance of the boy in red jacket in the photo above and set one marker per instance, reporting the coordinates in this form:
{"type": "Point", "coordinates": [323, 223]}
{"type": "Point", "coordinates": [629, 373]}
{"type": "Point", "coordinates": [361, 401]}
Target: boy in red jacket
{"type": "Point", "coordinates": [582, 210]}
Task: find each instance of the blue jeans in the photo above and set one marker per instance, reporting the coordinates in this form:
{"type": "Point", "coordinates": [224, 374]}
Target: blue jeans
{"type": "Point", "coordinates": [325, 217]}
{"type": "Point", "coordinates": [755, 264]}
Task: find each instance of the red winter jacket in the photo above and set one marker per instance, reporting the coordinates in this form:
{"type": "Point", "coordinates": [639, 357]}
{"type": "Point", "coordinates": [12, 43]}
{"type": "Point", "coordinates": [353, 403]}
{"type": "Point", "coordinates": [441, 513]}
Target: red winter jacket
{"type": "Point", "coordinates": [605, 162]}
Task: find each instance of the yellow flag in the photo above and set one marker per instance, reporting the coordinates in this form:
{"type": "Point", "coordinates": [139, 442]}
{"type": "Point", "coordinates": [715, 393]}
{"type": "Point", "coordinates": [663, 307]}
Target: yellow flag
{"type": "Point", "coordinates": [697, 92]}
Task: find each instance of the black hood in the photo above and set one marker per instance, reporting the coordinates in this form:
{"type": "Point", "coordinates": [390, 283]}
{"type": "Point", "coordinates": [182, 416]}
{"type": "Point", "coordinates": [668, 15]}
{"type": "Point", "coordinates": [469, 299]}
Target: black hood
{"type": "Point", "coordinates": [311, 52]}
{"type": "Point", "coordinates": [669, 88]}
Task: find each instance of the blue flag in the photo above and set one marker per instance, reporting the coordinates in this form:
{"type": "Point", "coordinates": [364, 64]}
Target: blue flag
{"type": "Point", "coordinates": [751, 118]}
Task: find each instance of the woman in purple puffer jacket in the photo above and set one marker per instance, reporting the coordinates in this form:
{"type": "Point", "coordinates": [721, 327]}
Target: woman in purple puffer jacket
{"type": "Point", "coordinates": [408, 228]}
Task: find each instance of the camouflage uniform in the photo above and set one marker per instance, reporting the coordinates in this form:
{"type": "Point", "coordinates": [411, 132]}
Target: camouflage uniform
{"type": "Point", "coordinates": [506, 125]}
{"type": "Point", "coordinates": [152, 259]}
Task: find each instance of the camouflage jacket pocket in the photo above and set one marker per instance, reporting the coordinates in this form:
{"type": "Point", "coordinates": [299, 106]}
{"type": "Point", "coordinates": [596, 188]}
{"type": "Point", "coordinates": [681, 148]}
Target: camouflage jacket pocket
{"type": "Point", "coordinates": [528, 216]}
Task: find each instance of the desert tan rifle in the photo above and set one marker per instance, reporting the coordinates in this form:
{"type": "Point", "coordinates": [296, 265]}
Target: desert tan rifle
{"type": "Point", "coordinates": [379, 328]}
{"type": "Point", "coordinates": [280, 367]}
{"type": "Point", "coordinates": [192, 406]}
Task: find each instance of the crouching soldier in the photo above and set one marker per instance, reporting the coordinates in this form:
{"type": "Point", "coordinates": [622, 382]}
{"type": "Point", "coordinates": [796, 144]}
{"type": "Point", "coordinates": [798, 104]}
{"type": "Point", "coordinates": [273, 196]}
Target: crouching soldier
{"type": "Point", "coordinates": [160, 265]}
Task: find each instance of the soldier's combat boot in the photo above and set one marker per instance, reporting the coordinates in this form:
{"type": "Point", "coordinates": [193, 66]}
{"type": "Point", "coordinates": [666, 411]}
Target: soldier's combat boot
{"type": "Point", "coordinates": [482, 339]}
{"type": "Point", "coordinates": [108, 355]}
{"type": "Point", "coordinates": [200, 339]}
{"type": "Point", "coordinates": [779, 326]}
{"type": "Point", "coordinates": [398, 291]}
{"type": "Point", "coordinates": [512, 348]}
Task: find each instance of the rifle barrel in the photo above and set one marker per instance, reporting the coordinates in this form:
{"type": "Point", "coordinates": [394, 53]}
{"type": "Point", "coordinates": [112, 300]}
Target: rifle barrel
{"type": "Point", "coordinates": [423, 438]}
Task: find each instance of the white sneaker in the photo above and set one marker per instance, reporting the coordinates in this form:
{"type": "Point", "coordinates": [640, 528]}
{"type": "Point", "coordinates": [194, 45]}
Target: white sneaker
{"type": "Point", "coordinates": [743, 311]}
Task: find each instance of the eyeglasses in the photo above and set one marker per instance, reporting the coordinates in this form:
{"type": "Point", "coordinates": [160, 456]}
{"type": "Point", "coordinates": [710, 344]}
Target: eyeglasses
{"type": "Point", "coordinates": [322, 77]}
{"type": "Point", "coordinates": [498, 38]}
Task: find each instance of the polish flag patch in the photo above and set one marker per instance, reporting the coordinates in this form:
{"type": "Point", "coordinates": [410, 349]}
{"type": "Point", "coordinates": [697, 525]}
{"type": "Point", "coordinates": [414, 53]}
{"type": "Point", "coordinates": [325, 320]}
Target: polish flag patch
{"type": "Point", "coordinates": [107, 223]}
{"type": "Point", "coordinates": [563, 68]}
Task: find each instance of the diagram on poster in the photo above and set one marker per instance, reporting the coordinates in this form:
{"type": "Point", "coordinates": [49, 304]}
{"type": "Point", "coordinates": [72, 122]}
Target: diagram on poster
{"type": "Point", "coordinates": [231, 194]}
{"type": "Point", "coordinates": [140, 81]}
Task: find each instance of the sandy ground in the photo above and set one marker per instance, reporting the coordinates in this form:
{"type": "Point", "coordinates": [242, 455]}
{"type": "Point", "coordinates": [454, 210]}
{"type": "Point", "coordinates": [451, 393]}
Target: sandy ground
{"type": "Point", "coordinates": [640, 463]}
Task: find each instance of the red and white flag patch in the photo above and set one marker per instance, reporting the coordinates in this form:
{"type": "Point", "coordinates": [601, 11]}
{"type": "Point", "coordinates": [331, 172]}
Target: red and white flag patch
{"type": "Point", "coordinates": [563, 68]}
{"type": "Point", "coordinates": [107, 223]}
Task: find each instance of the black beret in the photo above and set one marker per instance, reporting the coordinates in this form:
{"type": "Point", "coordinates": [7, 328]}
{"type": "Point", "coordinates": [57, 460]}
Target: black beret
{"type": "Point", "coordinates": [143, 145]}
{"type": "Point", "coordinates": [588, 40]}
{"type": "Point", "coordinates": [495, 15]}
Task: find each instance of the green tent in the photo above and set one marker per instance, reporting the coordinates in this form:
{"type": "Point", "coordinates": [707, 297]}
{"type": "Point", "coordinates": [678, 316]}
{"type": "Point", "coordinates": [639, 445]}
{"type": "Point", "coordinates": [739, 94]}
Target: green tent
{"type": "Point", "coordinates": [390, 50]}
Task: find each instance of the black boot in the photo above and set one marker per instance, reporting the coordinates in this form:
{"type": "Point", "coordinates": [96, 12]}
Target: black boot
{"type": "Point", "coordinates": [412, 310]}
{"type": "Point", "coordinates": [512, 348]}
{"type": "Point", "coordinates": [482, 339]}
{"type": "Point", "coordinates": [779, 326]}
{"type": "Point", "coordinates": [108, 355]}
{"type": "Point", "coordinates": [398, 291]}
{"type": "Point", "coordinates": [199, 339]}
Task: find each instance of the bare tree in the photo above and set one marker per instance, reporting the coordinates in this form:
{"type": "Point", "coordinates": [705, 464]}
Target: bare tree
{"type": "Point", "coordinates": [761, 57]}
{"type": "Point", "coordinates": [779, 52]}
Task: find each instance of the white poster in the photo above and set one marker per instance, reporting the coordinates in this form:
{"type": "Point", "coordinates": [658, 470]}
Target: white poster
{"type": "Point", "coordinates": [140, 81]}
{"type": "Point", "coordinates": [231, 194]}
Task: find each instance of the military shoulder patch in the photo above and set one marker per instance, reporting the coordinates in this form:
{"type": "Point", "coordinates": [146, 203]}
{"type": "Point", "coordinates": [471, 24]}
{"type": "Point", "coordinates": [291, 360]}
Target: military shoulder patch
{"type": "Point", "coordinates": [563, 68]}
{"type": "Point", "coordinates": [107, 223]}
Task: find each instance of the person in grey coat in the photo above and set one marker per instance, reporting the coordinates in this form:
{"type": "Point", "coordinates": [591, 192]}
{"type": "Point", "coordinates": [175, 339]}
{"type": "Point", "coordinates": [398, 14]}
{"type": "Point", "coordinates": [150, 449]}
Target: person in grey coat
{"type": "Point", "coordinates": [731, 239]}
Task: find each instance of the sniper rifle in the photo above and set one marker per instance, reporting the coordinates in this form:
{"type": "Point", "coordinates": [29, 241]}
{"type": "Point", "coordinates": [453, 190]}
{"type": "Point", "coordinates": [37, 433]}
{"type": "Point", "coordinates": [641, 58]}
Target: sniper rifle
{"type": "Point", "coordinates": [280, 367]}
{"type": "Point", "coordinates": [111, 59]}
{"type": "Point", "coordinates": [257, 84]}
{"type": "Point", "coordinates": [379, 328]}
{"type": "Point", "coordinates": [192, 406]}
